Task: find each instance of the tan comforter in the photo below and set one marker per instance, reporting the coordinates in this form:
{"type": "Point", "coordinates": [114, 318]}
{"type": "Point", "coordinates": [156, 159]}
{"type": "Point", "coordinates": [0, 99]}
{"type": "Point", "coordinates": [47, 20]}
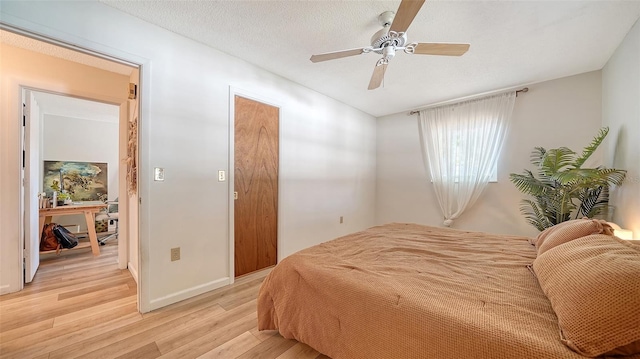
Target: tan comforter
{"type": "Point", "coordinates": [412, 291]}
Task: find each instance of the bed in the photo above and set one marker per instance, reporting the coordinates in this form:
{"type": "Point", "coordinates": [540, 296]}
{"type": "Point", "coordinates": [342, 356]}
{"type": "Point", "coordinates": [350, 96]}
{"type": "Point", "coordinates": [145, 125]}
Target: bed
{"type": "Point", "coordinates": [412, 291]}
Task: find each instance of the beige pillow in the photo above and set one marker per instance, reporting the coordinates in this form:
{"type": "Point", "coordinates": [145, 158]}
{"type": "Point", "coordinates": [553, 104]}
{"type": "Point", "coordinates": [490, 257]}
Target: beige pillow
{"type": "Point", "coordinates": [537, 241]}
{"type": "Point", "coordinates": [593, 284]}
{"type": "Point", "coordinates": [541, 236]}
{"type": "Point", "coordinates": [570, 230]}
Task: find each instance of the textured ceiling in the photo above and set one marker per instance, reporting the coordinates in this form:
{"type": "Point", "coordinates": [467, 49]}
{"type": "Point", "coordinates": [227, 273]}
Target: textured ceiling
{"type": "Point", "coordinates": [512, 42]}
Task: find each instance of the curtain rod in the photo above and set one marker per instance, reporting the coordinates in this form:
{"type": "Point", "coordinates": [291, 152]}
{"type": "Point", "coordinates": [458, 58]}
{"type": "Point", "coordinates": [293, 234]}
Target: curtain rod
{"type": "Point", "coordinates": [524, 89]}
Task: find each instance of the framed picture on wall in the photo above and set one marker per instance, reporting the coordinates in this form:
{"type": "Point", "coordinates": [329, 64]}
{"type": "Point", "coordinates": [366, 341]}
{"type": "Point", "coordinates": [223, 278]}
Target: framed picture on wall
{"type": "Point", "coordinates": [83, 181]}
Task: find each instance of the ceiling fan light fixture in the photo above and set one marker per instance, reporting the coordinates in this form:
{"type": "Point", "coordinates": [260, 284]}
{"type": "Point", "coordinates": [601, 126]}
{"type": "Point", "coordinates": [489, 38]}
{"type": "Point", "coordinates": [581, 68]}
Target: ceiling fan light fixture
{"type": "Point", "coordinates": [389, 52]}
{"type": "Point", "coordinates": [392, 38]}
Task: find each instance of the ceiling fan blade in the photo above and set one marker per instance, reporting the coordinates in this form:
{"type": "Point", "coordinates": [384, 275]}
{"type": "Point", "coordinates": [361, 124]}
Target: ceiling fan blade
{"type": "Point", "coordinates": [441, 49]}
{"type": "Point", "coordinates": [407, 11]}
{"type": "Point", "coordinates": [378, 75]}
{"type": "Point", "coordinates": [336, 55]}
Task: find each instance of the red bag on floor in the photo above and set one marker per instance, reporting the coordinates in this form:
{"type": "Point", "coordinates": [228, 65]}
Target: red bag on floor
{"type": "Point", "coordinates": [48, 240]}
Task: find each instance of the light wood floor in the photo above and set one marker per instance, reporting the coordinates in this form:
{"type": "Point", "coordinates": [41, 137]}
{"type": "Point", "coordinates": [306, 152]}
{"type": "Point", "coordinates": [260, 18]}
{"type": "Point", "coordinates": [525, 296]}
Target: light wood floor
{"type": "Point", "coordinates": [81, 306]}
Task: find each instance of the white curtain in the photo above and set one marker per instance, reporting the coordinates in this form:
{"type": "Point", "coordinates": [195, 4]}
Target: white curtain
{"type": "Point", "coordinates": [460, 147]}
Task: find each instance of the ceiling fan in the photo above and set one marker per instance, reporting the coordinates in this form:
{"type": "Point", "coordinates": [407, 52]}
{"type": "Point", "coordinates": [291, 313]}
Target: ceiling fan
{"type": "Point", "coordinates": [392, 38]}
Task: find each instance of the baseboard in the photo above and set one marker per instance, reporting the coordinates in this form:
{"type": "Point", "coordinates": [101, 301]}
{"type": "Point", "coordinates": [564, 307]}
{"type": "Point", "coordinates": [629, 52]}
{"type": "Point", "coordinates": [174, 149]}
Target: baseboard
{"type": "Point", "coordinates": [187, 293]}
{"type": "Point", "coordinates": [5, 289]}
{"type": "Point", "coordinates": [133, 271]}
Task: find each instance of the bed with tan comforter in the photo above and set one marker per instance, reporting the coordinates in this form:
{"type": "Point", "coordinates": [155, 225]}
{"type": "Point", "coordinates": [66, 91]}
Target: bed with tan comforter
{"type": "Point", "coordinates": [413, 291]}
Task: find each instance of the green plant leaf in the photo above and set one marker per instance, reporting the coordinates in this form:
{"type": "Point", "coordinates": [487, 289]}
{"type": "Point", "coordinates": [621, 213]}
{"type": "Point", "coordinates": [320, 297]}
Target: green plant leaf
{"type": "Point", "coordinates": [534, 215]}
{"type": "Point", "coordinates": [561, 188]}
{"type": "Point", "coordinates": [556, 159]}
{"type": "Point", "coordinates": [589, 198]}
{"type": "Point", "coordinates": [527, 183]}
{"type": "Point", "coordinates": [591, 148]}
{"type": "Point", "coordinates": [537, 155]}
{"type": "Point", "coordinates": [592, 177]}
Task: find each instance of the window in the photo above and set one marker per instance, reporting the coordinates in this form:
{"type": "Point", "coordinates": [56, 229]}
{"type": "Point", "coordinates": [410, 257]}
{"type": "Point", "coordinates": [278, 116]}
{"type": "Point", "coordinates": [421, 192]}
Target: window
{"type": "Point", "coordinates": [460, 147]}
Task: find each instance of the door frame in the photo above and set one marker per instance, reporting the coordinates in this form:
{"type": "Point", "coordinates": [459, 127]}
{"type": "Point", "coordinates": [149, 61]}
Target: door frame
{"type": "Point", "coordinates": [144, 67]}
{"type": "Point", "coordinates": [123, 120]}
{"type": "Point", "coordinates": [259, 97]}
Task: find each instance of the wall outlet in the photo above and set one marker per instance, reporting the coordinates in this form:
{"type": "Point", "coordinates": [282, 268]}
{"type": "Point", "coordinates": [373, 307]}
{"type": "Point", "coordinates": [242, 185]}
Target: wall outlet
{"type": "Point", "coordinates": [341, 219]}
{"type": "Point", "coordinates": [222, 176]}
{"type": "Point", "coordinates": [158, 174]}
{"type": "Point", "coordinates": [175, 254]}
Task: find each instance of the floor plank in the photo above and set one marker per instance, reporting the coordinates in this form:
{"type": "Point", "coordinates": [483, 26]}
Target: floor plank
{"type": "Point", "coordinates": [233, 348]}
{"type": "Point", "coordinates": [80, 306]}
{"type": "Point", "coordinates": [299, 351]}
{"type": "Point", "coordinates": [270, 348]}
{"type": "Point", "coordinates": [146, 351]}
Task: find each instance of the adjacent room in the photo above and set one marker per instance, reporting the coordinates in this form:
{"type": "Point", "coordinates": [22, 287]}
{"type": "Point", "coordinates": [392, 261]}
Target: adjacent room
{"type": "Point", "coordinates": [311, 179]}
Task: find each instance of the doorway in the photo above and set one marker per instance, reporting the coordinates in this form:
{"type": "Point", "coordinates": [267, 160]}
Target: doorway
{"type": "Point", "coordinates": [256, 162]}
{"type": "Point", "coordinates": [34, 64]}
{"type": "Point", "coordinates": [71, 146]}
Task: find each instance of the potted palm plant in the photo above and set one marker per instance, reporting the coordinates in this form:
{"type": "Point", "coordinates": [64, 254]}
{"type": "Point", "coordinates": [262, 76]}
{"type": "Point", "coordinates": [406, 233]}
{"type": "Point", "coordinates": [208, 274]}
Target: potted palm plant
{"type": "Point", "coordinates": [561, 188]}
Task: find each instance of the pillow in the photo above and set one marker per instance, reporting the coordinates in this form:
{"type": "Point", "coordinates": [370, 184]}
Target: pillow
{"type": "Point", "coordinates": [570, 230]}
{"type": "Point", "coordinates": [542, 235]}
{"type": "Point", "coordinates": [537, 241]}
{"type": "Point", "coordinates": [593, 284]}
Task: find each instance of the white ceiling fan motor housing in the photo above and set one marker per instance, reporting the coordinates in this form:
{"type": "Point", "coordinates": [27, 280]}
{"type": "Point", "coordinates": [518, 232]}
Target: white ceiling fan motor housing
{"type": "Point", "coordinates": [385, 38]}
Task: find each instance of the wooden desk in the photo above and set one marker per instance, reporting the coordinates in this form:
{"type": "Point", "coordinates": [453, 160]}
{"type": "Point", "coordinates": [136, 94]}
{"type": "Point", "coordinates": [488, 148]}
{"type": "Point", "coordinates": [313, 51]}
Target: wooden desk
{"type": "Point", "coordinates": [89, 212]}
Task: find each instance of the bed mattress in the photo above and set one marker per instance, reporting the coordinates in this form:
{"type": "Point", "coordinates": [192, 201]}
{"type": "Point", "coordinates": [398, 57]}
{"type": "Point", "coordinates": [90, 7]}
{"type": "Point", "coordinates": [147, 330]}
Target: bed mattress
{"type": "Point", "coordinates": [413, 291]}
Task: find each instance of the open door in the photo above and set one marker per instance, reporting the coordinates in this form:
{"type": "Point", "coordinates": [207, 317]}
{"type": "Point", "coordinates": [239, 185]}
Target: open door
{"type": "Point", "coordinates": [30, 180]}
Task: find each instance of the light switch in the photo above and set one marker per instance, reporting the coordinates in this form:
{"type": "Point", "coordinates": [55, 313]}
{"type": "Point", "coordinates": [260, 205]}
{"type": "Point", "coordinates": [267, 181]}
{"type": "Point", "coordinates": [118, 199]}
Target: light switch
{"type": "Point", "coordinates": [158, 174]}
{"type": "Point", "coordinates": [221, 176]}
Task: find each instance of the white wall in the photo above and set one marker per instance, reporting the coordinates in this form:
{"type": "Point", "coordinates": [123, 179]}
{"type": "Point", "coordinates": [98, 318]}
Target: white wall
{"type": "Point", "coordinates": [621, 112]}
{"type": "Point", "coordinates": [562, 112]}
{"type": "Point", "coordinates": [82, 140]}
{"type": "Point", "coordinates": [327, 149]}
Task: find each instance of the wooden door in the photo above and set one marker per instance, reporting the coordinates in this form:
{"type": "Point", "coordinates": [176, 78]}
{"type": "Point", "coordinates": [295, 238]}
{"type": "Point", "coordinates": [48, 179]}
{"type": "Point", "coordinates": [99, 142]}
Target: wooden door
{"type": "Point", "coordinates": [256, 184]}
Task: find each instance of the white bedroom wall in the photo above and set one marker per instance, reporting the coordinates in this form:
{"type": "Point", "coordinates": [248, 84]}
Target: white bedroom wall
{"type": "Point", "coordinates": [327, 153]}
{"type": "Point", "coordinates": [621, 112]}
{"type": "Point", "coordinates": [562, 112]}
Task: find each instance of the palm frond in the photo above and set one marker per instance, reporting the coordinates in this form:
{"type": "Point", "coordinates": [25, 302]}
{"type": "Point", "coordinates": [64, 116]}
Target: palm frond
{"type": "Point", "coordinates": [589, 199]}
{"type": "Point", "coordinates": [534, 215]}
{"type": "Point", "coordinates": [537, 155]}
{"type": "Point", "coordinates": [556, 159]}
{"type": "Point", "coordinates": [601, 205]}
{"type": "Point", "coordinates": [614, 176]}
{"type": "Point", "coordinates": [591, 177]}
{"type": "Point", "coordinates": [589, 150]}
{"type": "Point", "coordinates": [579, 175]}
{"type": "Point", "coordinates": [527, 183]}
{"type": "Point", "coordinates": [560, 186]}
